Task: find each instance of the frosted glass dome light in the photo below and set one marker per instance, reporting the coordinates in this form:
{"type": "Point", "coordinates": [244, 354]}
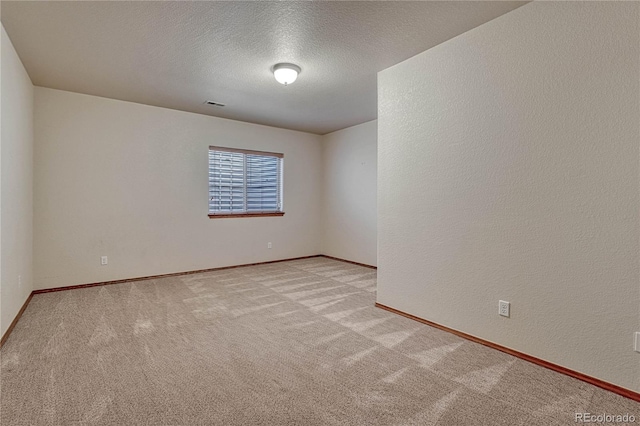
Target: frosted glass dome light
{"type": "Point", "coordinates": [286, 73]}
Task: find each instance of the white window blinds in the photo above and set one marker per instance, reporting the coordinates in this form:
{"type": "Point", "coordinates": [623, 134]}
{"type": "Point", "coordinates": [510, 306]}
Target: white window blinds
{"type": "Point", "coordinates": [244, 182]}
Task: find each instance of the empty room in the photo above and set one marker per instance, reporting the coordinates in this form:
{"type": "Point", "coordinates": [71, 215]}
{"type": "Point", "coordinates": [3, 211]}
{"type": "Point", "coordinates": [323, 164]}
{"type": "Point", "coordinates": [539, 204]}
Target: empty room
{"type": "Point", "coordinates": [319, 213]}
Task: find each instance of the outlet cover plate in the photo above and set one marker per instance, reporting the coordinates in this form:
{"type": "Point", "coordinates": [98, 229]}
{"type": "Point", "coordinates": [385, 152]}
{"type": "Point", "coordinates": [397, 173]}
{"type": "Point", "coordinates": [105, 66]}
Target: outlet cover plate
{"type": "Point", "coordinates": [636, 345]}
{"type": "Point", "coordinates": [504, 308]}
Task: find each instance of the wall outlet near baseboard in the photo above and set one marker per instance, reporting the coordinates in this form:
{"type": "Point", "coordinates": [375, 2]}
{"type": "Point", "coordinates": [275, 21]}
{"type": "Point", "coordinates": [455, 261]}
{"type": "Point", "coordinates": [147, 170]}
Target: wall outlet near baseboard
{"type": "Point", "coordinates": [504, 308]}
{"type": "Point", "coordinates": [636, 342]}
{"type": "Point", "coordinates": [104, 260]}
{"type": "Point", "coordinates": [269, 245]}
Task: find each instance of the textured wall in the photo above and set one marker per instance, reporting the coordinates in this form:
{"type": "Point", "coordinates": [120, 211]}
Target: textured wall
{"type": "Point", "coordinates": [129, 181]}
{"type": "Point", "coordinates": [16, 180]}
{"type": "Point", "coordinates": [508, 169]}
{"type": "Point", "coordinates": [349, 216]}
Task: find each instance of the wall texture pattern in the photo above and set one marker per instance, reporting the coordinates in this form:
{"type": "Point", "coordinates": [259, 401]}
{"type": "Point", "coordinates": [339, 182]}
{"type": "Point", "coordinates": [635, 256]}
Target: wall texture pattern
{"type": "Point", "coordinates": [129, 181]}
{"type": "Point", "coordinates": [349, 216]}
{"type": "Point", "coordinates": [16, 180]}
{"type": "Point", "coordinates": [508, 169]}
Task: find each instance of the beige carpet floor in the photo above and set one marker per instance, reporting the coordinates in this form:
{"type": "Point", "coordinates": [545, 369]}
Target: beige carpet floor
{"type": "Point", "coordinates": [292, 343]}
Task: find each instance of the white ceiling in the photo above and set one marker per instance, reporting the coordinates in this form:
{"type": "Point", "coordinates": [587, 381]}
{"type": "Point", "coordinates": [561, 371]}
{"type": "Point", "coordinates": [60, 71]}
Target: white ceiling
{"type": "Point", "coordinates": [180, 54]}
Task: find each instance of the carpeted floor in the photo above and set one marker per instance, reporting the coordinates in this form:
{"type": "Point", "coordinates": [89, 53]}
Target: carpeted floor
{"type": "Point", "coordinates": [297, 342]}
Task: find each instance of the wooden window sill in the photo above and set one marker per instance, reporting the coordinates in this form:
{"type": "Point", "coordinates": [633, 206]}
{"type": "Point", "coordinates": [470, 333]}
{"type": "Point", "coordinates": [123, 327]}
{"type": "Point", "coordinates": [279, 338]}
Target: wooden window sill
{"type": "Point", "coordinates": [226, 216]}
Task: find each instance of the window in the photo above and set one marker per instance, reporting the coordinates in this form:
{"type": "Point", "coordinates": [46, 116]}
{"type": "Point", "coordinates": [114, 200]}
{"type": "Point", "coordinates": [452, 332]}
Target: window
{"type": "Point", "coordinates": [244, 183]}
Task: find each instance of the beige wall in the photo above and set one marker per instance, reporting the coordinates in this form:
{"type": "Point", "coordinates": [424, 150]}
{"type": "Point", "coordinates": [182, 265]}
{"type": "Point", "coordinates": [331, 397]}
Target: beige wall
{"type": "Point", "coordinates": [129, 181]}
{"type": "Point", "coordinates": [349, 193]}
{"type": "Point", "coordinates": [16, 183]}
{"type": "Point", "coordinates": [508, 169]}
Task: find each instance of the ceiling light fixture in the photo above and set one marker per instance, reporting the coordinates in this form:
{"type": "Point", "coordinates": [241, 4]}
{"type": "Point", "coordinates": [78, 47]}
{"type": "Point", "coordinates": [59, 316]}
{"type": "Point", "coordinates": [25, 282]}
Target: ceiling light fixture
{"type": "Point", "coordinates": [286, 73]}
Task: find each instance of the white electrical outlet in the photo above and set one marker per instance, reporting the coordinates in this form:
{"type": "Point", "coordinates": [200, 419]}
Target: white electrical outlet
{"type": "Point", "coordinates": [104, 260]}
{"type": "Point", "coordinates": [504, 308]}
{"type": "Point", "coordinates": [269, 245]}
{"type": "Point", "coordinates": [636, 343]}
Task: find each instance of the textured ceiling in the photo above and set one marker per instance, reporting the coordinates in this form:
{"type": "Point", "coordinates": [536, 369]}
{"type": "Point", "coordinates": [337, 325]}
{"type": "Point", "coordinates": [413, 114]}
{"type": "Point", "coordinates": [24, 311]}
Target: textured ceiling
{"type": "Point", "coordinates": [179, 54]}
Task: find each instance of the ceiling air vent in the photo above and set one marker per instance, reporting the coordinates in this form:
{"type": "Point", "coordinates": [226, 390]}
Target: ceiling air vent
{"type": "Point", "coordinates": [216, 104]}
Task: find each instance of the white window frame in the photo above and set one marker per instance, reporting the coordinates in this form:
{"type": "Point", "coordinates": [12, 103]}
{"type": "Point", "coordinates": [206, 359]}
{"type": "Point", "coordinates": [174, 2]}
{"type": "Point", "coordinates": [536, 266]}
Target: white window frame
{"type": "Point", "coordinates": [242, 174]}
